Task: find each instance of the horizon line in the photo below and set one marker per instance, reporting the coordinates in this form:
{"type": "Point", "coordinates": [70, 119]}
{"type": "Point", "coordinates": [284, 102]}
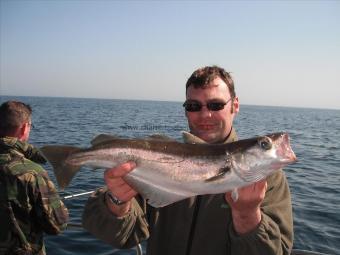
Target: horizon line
{"type": "Point", "coordinates": [173, 101]}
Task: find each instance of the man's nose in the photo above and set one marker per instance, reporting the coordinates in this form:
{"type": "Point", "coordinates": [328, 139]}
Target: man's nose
{"type": "Point", "coordinates": [205, 112]}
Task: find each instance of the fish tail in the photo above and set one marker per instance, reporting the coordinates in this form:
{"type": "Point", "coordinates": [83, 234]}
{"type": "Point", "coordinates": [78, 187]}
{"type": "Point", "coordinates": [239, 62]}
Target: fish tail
{"type": "Point", "coordinates": [57, 156]}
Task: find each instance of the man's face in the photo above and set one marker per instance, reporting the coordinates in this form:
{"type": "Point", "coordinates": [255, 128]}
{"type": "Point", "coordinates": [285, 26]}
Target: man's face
{"type": "Point", "coordinates": [212, 126]}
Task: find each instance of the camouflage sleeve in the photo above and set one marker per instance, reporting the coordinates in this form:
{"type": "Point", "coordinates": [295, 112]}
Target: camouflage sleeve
{"type": "Point", "coordinates": [35, 155]}
{"type": "Point", "coordinates": [50, 210]}
{"type": "Point", "coordinates": [274, 235]}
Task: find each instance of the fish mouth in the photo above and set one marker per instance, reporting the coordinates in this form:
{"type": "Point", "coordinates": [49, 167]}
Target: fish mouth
{"type": "Point", "coordinates": [284, 150]}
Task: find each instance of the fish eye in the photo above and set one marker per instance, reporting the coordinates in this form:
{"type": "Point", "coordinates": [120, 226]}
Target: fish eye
{"type": "Point", "coordinates": [265, 143]}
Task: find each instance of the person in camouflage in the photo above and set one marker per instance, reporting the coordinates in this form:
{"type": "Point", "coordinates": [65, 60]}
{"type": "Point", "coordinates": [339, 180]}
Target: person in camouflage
{"type": "Point", "coordinates": [29, 202]}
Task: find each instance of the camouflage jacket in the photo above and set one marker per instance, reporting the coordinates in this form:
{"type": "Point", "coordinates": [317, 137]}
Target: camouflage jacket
{"type": "Point", "coordinates": [29, 202]}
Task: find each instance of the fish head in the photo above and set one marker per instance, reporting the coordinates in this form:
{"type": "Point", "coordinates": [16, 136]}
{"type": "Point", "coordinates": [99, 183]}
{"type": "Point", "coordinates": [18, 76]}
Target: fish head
{"type": "Point", "coordinates": [262, 156]}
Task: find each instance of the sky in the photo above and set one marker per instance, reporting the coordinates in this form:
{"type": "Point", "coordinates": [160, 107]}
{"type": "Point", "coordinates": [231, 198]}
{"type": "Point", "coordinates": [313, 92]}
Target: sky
{"type": "Point", "coordinates": [280, 53]}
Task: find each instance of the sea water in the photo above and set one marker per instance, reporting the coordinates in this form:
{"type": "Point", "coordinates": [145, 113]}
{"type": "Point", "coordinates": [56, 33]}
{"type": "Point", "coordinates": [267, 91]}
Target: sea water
{"type": "Point", "coordinates": [314, 180]}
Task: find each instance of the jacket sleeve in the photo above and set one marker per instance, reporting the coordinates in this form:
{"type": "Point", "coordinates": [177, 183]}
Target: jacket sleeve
{"type": "Point", "coordinates": [50, 211]}
{"type": "Point", "coordinates": [121, 232]}
{"type": "Point", "coordinates": [274, 235]}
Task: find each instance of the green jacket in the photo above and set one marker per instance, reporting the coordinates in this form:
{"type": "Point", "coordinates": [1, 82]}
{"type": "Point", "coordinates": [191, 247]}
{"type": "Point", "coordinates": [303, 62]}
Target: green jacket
{"type": "Point", "coordinates": [197, 226]}
{"type": "Point", "coordinates": [29, 202]}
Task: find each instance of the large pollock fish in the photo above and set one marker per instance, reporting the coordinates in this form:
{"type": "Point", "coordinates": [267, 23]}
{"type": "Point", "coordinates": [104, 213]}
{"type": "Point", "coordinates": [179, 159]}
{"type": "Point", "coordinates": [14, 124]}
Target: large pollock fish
{"type": "Point", "coordinates": [168, 171]}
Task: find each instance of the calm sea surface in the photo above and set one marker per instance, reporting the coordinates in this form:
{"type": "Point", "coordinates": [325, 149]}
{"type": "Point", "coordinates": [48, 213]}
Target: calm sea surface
{"type": "Point", "coordinates": [314, 180]}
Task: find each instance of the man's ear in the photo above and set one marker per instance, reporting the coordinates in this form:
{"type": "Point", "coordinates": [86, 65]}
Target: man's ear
{"type": "Point", "coordinates": [235, 108]}
{"type": "Point", "coordinates": [24, 131]}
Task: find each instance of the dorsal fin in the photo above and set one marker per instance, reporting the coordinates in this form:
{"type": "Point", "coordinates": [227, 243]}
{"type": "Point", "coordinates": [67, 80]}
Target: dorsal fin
{"type": "Point", "coordinates": [160, 137]}
{"type": "Point", "coordinates": [103, 138]}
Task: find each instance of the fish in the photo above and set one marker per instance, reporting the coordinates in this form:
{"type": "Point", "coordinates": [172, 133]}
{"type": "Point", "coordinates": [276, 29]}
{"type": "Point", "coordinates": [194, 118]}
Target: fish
{"type": "Point", "coordinates": [168, 171]}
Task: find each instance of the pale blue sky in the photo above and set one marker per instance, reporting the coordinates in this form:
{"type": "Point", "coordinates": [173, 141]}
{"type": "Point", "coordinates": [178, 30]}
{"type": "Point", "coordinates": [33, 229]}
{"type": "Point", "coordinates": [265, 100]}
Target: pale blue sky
{"type": "Point", "coordinates": [284, 53]}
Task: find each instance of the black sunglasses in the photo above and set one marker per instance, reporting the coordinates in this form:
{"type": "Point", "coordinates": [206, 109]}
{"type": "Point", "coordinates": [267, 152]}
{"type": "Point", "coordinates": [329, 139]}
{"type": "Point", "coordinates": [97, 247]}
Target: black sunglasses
{"type": "Point", "coordinates": [194, 106]}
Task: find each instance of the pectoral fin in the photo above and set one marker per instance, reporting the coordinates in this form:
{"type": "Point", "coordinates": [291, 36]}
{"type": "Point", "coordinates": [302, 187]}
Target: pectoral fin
{"type": "Point", "coordinates": [219, 175]}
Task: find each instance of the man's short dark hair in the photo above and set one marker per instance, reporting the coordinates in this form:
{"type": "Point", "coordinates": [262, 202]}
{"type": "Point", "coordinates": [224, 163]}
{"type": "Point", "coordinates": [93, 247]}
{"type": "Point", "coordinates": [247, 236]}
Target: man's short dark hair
{"type": "Point", "coordinates": [203, 76]}
{"type": "Point", "coordinates": [13, 114]}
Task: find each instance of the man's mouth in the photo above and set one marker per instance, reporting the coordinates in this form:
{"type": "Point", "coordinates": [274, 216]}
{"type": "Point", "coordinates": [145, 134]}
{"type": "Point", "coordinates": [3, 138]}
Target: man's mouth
{"type": "Point", "coordinates": [206, 127]}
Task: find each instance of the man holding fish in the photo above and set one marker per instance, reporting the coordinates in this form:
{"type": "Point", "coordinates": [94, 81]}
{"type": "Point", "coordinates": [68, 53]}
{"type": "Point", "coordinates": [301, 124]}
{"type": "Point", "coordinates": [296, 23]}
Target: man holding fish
{"type": "Point", "coordinates": [253, 219]}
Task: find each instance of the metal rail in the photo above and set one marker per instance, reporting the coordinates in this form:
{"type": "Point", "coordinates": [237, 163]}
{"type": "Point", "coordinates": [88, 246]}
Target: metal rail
{"type": "Point", "coordinates": [77, 195]}
{"type": "Point", "coordinates": [139, 250]}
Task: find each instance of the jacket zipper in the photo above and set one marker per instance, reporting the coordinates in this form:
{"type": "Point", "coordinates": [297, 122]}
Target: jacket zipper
{"type": "Point", "coordinates": [193, 225]}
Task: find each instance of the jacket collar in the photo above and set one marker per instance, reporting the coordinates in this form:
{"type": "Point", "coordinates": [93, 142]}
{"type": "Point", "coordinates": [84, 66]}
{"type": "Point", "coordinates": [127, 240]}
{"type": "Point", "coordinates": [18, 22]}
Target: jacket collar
{"type": "Point", "coordinates": [190, 138]}
{"type": "Point", "coordinates": [10, 145]}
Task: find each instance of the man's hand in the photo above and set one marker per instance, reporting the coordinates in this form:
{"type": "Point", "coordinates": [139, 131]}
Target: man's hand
{"type": "Point", "coordinates": [246, 210]}
{"type": "Point", "coordinates": [119, 188]}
